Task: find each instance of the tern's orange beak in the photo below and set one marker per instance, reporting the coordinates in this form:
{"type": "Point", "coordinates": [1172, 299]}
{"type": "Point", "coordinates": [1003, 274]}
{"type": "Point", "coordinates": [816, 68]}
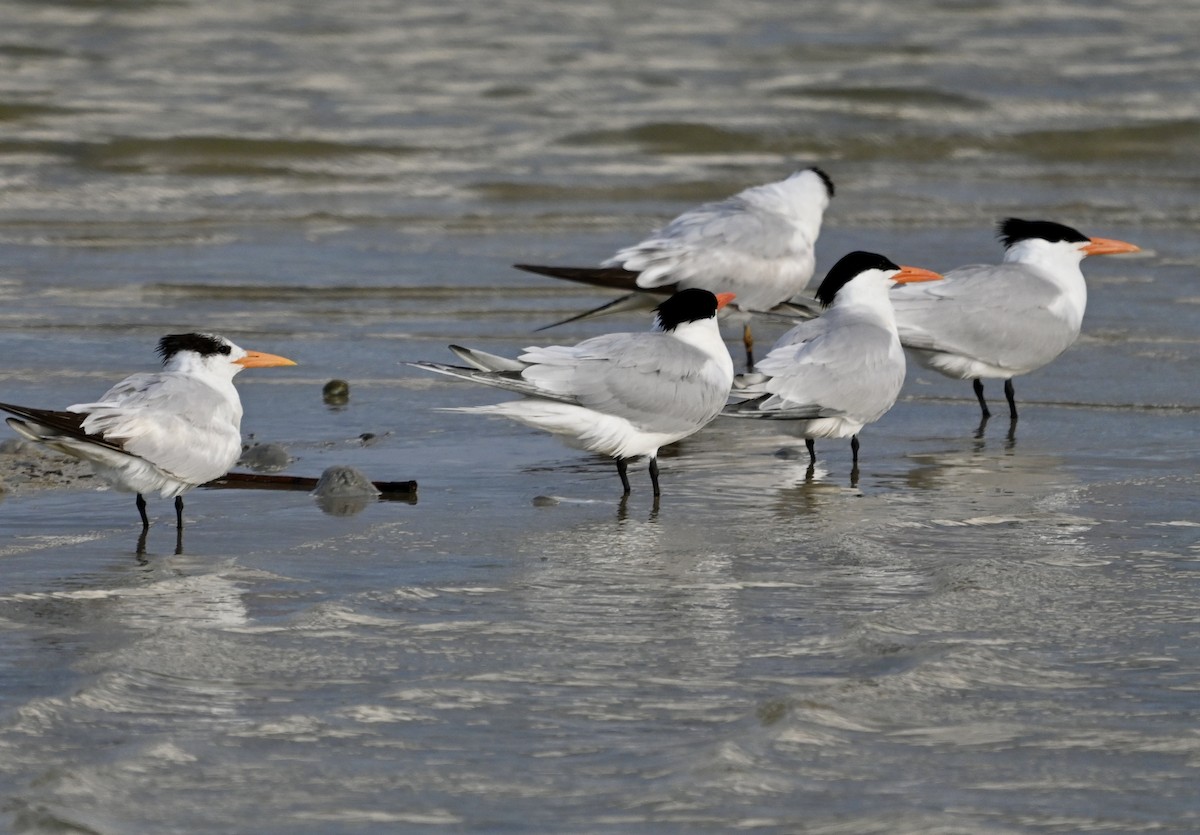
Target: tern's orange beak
{"type": "Point", "coordinates": [724, 299]}
{"type": "Point", "coordinates": [257, 359]}
{"type": "Point", "coordinates": [908, 275]}
{"type": "Point", "coordinates": [1108, 246]}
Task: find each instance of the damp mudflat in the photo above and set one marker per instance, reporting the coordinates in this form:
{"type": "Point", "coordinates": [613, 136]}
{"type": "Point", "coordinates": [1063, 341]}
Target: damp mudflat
{"type": "Point", "coordinates": [992, 629]}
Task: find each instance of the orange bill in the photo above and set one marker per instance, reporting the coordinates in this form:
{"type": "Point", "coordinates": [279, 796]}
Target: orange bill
{"type": "Point", "coordinates": [908, 275]}
{"type": "Point", "coordinates": [257, 359]}
{"type": "Point", "coordinates": [1108, 246]}
{"type": "Point", "coordinates": [724, 299]}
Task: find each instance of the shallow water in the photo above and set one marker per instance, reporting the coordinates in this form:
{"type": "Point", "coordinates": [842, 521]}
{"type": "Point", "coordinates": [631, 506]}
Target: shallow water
{"type": "Point", "coordinates": [992, 631]}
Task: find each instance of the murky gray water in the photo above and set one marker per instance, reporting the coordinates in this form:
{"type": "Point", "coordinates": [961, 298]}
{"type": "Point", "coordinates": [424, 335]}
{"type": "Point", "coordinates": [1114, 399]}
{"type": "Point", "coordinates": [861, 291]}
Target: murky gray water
{"type": "Point", "coordinates": [989, 633]}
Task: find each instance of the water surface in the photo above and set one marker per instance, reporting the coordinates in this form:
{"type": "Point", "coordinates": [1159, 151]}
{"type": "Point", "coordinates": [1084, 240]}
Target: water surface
{"type": "Point", "coordinates": [991, 631]}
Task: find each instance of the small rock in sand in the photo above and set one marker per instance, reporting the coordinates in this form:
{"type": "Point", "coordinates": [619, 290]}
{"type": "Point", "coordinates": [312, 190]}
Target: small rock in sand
{"type": "Point", "coordinates": [336, 393]}
{"type": "Point", "coordinates": [344, 491]}
{"type": "Point", "coordinates": [265, 458]}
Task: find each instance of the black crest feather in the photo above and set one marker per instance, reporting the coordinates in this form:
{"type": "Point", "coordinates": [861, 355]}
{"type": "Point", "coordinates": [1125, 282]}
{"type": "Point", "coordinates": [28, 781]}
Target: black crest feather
{"type": "Point", "coordinates": [825, 178]}
{"type": "Point", "coordinates": [204, 344]}
{"type": "Point", "coordinates": [1013, 230]}
{"type": "Point", "coordinates": [848, 268]}
{"type": "Point", "coordinates": [689, 305]}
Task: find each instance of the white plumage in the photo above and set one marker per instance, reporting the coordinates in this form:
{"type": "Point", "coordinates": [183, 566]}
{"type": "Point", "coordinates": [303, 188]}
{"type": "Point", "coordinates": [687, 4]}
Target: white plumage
{"type": "Point", "coordinates": [159, 432]}
{"type": "Point", "coordinates": [758, 244]}
{"type": "Point", "coordinates": [623, 395]}
{"type": "Point", "coordinates": [1003, 320]}
{"type": "Point", "coordinates": [831, 376]}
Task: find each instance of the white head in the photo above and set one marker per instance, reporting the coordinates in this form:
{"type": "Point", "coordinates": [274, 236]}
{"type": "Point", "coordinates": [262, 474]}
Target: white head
{"type": "Point", "coordinates": [865, 278]}
{"type": "Point", "coordinates": [210, 354]}
{"type": "Point", "coordinates": [1033, 239]}
{"type": "Point", "coordinates": [803, 197]}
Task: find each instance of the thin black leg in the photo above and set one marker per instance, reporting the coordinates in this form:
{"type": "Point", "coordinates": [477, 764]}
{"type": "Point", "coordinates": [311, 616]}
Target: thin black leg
{"type": "Point", "coordinates": [748, 341]}
{"type": "Point", "coordinates": [179, 511]}
{"type": "Point", "coordinates": [654, 475]}
{"type": "Point", "coordinates": [977, 384]}
{"type": "Point", "coordinates": [622, 466]}
{"type": "Point", "coordinates": [1012, 398]}
{"type": "Point", "coordinates": [141, 506]}
{"type": "Point", "coordinates": [812, 449]}
{"type": "Point", "coordinates": [854, 449]}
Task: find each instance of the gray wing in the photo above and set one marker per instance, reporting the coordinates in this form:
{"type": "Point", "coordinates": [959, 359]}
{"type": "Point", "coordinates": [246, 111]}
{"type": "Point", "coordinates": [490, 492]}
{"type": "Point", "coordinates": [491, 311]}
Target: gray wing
{"type": "Point", "coordinates": [507, 380]}
{"type": "Point", "coordinates": [847, 369]}
{"type": "Point", "coordinates": [1000, 314]}
{"type": "Point", "coordinates": [731, 230]}
{"type": "Point", "coordinates": [484, 361]}
{"type": "Point", "coordinates": [651, 379]}
{"type": "Point", "coordinates": [181, 425]}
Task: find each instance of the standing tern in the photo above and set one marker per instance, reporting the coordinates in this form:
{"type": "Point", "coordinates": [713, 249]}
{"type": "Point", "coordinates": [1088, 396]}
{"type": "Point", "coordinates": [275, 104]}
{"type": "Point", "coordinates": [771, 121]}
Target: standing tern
{"type": "Point", "coordinates": [835, 374]}
{"type": "Point", "coordinates": [757, 244]}
{"type": "Point", "coordinates": [623, 395]}
{"type": "Point", "coordinates": [998, 321]}
{"type": "Point", "coordinates": [165, 431]}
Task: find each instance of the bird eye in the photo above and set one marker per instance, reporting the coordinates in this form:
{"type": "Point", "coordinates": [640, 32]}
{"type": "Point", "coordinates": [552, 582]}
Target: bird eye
{"type": "Point", "coordinates": [224, 349]}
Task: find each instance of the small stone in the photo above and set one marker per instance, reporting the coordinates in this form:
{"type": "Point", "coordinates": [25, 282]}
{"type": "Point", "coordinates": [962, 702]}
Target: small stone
{"type": "Point", "coordinates": [545, 501]}
{"type": "Point", "coordinates": [265, 458]}
{"type": "Point", "coordinates": [341, 480]}
{"type": "Point", "coordinates": [336, 393]}
{"type": "Point", "coordinates": [344, 491]}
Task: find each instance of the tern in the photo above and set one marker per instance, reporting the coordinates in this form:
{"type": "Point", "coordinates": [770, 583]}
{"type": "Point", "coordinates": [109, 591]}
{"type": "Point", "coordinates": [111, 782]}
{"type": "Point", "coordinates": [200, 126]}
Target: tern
{"type": "Point", "coordinates": [166, 431]}
{"type": "Point", "coordinates": [835, 374]}
{"type": "Point", "coordinates": [757, 244]}
{"type": "Point", "coordinates": [623, 395]}
{"type": "Point", "coordinates": [1002, 320]}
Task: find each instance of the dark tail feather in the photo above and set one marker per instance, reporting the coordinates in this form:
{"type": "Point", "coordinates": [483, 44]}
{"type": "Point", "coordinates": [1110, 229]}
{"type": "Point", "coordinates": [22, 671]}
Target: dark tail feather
{"type": "Point", "coordinates": [617, 278]}
{"type": "Point", "coordinates": [633, 301]}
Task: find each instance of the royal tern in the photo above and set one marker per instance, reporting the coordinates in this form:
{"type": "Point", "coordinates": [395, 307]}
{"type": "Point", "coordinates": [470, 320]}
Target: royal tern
{"type": "Point", "coordinates": [757, 245]}
{"type": "Point", "coordinates": [623, 395]}
{"type": "Point", "coordinates": [834, 374]}
{"type": "Point", "coordinates": [1002, 320]}
{"type": "Point", "coordinates": [165, 431]}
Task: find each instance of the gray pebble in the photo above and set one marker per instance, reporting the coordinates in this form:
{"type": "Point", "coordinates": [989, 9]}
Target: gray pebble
{"type": "Point", "coordinates": [341, 481]}
{"type": "Point", "coordinates": [344, 491]}
{"type": "Point", "coordinates": [265, 458]}
{"type": "Point", "coordinates": [545, 501]}
{"type": "Point", "coordinates": [336, 392]}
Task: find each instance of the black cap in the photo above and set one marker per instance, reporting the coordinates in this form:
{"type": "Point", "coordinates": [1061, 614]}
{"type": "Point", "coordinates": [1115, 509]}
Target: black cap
{"type": "Point", "coordinates": [847, 269]}
{"type": "Point", "coordinates": [1013, 230]}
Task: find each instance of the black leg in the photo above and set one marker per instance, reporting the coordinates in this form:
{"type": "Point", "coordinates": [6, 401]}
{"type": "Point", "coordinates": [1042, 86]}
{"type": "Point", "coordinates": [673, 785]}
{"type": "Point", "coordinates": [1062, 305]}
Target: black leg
{"type": "Point", "coordinates": [812, 449]}
{"type": "Point", "coordinates": [141, 506]}
{"type": "Point", "coordinates": [622, 466]}
{"type": "Point", "coordinates": [1012, 398]}
{"type": "Point", "coordinates": [854, 449]}
{"type": "Point", "coordinates": [179, 511]}
{"type": "Point", "coordinates": [748, 341]}
{"type": "Point", "coordinates": [654, 474]}
{"type": "Point", "coordinates": [977, 384]}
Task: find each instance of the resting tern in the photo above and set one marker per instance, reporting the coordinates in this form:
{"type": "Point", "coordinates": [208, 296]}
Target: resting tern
{"type": "Point", "coordinates": [835, 374]}
{"type": "Point", "coordinates": [622, 394]}
{"type": "Point", "coordinates": [998, 321]}
{"type": "Point", "coordinates": [165, 431]}
{"type": "Point", "coordinates": [757, 244]}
